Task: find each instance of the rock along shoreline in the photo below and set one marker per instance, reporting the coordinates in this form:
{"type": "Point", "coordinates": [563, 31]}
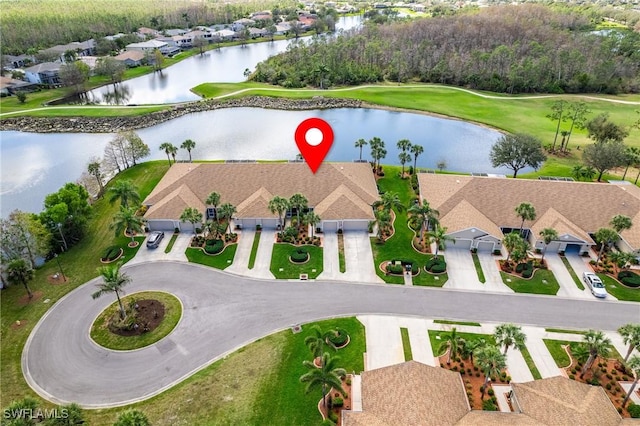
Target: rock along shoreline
{"type": "Point", "coordinates": [116, 124]}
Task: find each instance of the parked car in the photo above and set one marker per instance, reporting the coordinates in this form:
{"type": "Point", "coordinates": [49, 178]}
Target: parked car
{"type": "Point", "coordinates": [595, 284]}
{"type": "Point", "coordinates": [154, 238]}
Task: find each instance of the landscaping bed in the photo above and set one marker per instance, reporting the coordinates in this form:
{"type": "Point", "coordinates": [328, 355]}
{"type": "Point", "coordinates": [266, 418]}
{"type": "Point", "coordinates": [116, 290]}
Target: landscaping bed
{"type": "Point", "coordinates": [542, 282]}
{"type": "Point", "coordinates": [297, 235]}
{"type": "Point", "coordinates": [283, 265]}
{"type": "Point", "coordinates": [221, 260]}
{"type": "Point", "coordinates": [111, 254]}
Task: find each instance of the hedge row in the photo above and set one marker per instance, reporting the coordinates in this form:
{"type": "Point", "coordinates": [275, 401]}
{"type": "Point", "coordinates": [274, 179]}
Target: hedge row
{"type": "Point", "coordinates": [214, 246]}
{"type": "Point", "coordinates": [630, 279]}
{"type": "Point", "coordinates": [394, 269]}
{"type": "Point", "coordinates": [436, 265]}
{"type": "Point", "coordinates": [111, 253]}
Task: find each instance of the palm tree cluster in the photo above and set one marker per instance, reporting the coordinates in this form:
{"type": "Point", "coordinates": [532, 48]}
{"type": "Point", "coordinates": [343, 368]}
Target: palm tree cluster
{"type": "Point", "coordinates": [408, 151]}
{"type": "Point", "coordinates": [305, 217]}
{"type": "Point", "coordinates": [220, 222]}
{"type": "Point", "coordinates": [127, 219]}
{"type": "Point", "coordinates": [171, 150]}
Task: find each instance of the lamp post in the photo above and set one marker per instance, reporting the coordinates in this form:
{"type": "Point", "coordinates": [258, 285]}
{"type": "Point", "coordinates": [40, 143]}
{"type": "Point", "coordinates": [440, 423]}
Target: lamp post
{"type": "Point", "coordinates": [60, 267]}
{"type": "Point", "coordinates": [62, 235]}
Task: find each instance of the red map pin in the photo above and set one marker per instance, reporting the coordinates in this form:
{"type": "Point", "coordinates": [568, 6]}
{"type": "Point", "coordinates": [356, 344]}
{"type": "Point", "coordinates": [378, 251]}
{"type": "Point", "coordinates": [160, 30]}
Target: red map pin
{"type": "Point", "coordinates": [314, 138]}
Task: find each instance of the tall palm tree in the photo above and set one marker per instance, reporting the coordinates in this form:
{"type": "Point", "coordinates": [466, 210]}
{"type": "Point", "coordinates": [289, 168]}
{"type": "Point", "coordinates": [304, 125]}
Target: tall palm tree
{"type": "Point", "coordinates": [491, 361]}
{"type": "Point", "coordinates": [298, 202]}
{"type": "Point", "coordinates": [360, 143]}
{"type": "Point", "coordinates": [377, 151]}
{"type": "Point", "coordinates": [227, 210]}
{"type": "Point", "coordinates": [279, 206]}
{"type": "Point", "coordinates": [424, 215]}
{"type": "Point", "coordinates": [525, 211]}
{"type": "Point", "coordinates": [439, 237]}
{"type": "Point", "coordinates": [598, 345]}
{"type": "Point", "coordinates": [316, 342]}
{"type": "Point", "coordinates": [471, 346]}
{"type": "Point", "coordinates": [167, 147]}
{"type": "Point", "coordinates": [548, 235]}
{"type": "Point", "coordinates": [416, 150]}
{"type": "Point", "coordinates": [404, 145]}
{"type": "Point", "coordinates": [192, 215]}
{"type": "Point", "coordinates": [404, 157]}
{"type": "Point", "coordinates": [188, 145]}
{"type": "Point", "coordinates": [631, 157]}
{"type": "Point", "coordinates": [125, 191]}
{"type": "Point", "coordinates": [213, 200]}
{"type": "Point", "coordinates": [511, 241]}
{"type": "Point", "coordinates": [510, 335]}
{"type": "Point", "coordinates": [630, 336]}
{"type": "Point", "coordinates": [325, 377]}
{"type": "Point", "coordinates": [577, 171]}
{"type": "Point", "coordinates": [452, 342]}
{"type": "Point", "coordinates": [311, 219]}
{"type": "Point", "coordinates": [606, 237]}
{"type": "Point", "coordinates": [383, 220]}
{"type": "Point", "coordinates": [620, 222]}
{"type": "Point", "coordinates": [112, 282]}
{"type": "Point", "coordinates": [634, 366]}
{"type": "Point", "coordinates": [127, 220]}
{"type": "Point", "coordinates": [173, 150]}
{"type": "Point", "coordinates": [389, 200]}
{"type": "Point", "coordinates": [19, 272]}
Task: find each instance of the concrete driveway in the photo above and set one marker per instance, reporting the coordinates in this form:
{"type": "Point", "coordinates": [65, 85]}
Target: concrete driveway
{"type": "Point", "coordinates": [568, 287]}
{"type": "Point", "coordinates": [177, 253]}
{"type": "Point", "coordinates": [493, 279]}
{"type": "Point", "coordinates": [243, 252]}
{"type": "Point", "coordinates": [223, 312]}
{"type": "Point", "coordinates": [581, 264]}
{"type": "Point", "coordinates": [462, 272]}
{"type": "Point", "coordinates": [330, 258]}
{"type": "Point", "coordinates": [359, 258]}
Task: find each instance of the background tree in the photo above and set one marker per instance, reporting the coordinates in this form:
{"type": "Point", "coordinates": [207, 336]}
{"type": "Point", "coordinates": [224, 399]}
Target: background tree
{"type": "Point", "coordinates": [634, 365]}
{"type": "Point", "coordinates": [517, 152]}
{"type": "Point", "coordinates": [126, 220]}
{"type": "Point", "coordinates": [21, 96]}
{"type": "Point", "coordinates": [598, 345]}
{"type": "Point", "coordinates": [325, 377]}
{"type": "Point", "coordinates": [606, 237]}
{"type": "Point", "coordinates": [70, 208]}
{"type": "Point", "coordinates": [601, 130]}
{"type": "Point", "coordinates": [125, 191]}
{"type": "Point", "coordinates": [630, 336]}
{"type": "Point", "coordinates": [453, 343]}
{"type": "Point", "coordinates": [158, 60]}
{"type": "Point", "coordinates": [111, 68]}
{"type": "Point", "coordinates": [200, 43]}
{"type": "Point", "coordinates": [416, 150]}
{"type": "Point", "coordinates": [510, 335]}
{"type": "Point", "coordinates": [213, 200]}
{"type": "Point", "coordinates": [134, 147]}
{"type": "Point", "coordinates": [557, 114]}
{"type": "Point", "coordinates": [404, 145]}
{"type": "Point", "coordinates": [377, 151]}
{"type": "Point", "coordinates": [19, 272]}
{"type": "Point", "coordinates": [578, 112]}
{"type": "Point", "coordinates": [94, 169]}
{"type": "Point", "coordinates": [589, 173]}
{"type": "Point", "coordinates": [577, 172]}
{"type": "Point", "coordinates": [311, 219]}
{"type": "Point", "coordinates": [279, 206]}
{"type": "Point", "coordinates": [548, 235]}
{"type": "Point", "coordinates": [491, 362]}
{"type": "Point", "coordinates": [74, 75]}
{"type": "Point", "coordinates": [188, 145]}
{"type": "Point", "coordinates": [22, 235]}
{"type": "Point", "coordinates": [631, 157]}
{"type": "Point", "coordinates": [132, 417]}
{"type": "Point", "coordinates": [112, 282]}
{"type": "Point", "coordinates": [226, 211]}
{"type": "Point", "coordinates": [360, 143]}
{"type": "Point", "coordinates": [191, 215]}
{"type": "Point", "coordinates": [620, 222]}
{"type": "Point", "coordinates": [168, 148]}
{"type": "Point", "coordinates": [525, 211]}
{"type": "Point", "coordinates": [404, 158]}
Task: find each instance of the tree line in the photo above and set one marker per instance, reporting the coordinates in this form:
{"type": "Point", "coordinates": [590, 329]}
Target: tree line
{"type": "Point", "coordinates": [528, 48]}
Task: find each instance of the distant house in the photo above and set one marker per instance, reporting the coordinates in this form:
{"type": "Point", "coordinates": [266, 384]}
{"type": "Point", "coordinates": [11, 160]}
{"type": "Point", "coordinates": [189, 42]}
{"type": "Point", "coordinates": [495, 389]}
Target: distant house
{"type": "Point", "coordinates": [282, 28]}
{"type": "Point", "coordinates": [147, 46]}
{"type": "Point", "coordinates": [200, 34]}
{"type": "Point", "coordinates": [10, 86]}
{"type": "Point", "coordinates": [241, 24]}
{"type": "Point", "coordinates": [19, 61]}
{"type": "Point", "coordinates": [224, 35]}
{"type": "Point", "coordinates": [144, 32]}
{"type": "Point", "coordinates": [257, 32]}
{"type": "Point", "coordinates": [265, 15]}
{"type": "Point", "coordinates": [418, 7]}
{"type": "Point", "coordinates": [175, 32]}
{"type": "Point", "coordinates": [46, 73]}
{"type": "Point", "coordinates": [131, 58]}
{"type": "Point", "coordinates": [306, 22]}
{"type": "Point", "coordinates": [90, 61]}
{"type": "Point", "coordinates": [81, 48]}
{"type": "Point", "coordinates": [114, 37]}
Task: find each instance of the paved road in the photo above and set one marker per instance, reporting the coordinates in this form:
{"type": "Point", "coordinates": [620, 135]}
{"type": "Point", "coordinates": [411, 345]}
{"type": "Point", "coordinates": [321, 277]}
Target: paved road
{"type": "Point", "coordinates": [223, 312]}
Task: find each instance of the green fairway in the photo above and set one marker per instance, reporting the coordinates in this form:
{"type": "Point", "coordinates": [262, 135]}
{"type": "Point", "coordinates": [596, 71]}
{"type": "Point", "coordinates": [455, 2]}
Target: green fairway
{"type": "Point", "coordinates": [283, 268]}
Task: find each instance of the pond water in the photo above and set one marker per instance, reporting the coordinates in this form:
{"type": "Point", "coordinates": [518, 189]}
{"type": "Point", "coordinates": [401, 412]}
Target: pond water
{"type": "Point", "coordinates": [47, 161]}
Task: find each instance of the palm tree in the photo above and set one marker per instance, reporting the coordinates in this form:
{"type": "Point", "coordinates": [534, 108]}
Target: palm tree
{"type": "Point", "coordinates": [279, 205]}
{"type": "Point", "coordinates": [127, 220]}
{"type": "Point", "coordinates": [360, 143]}
{"type": "Point", "coordinates": [634, 366]}
{"type": "Point", "coordinates": [321, 70]}
{"type": "Point", "coordinates": [168, 148]}
{"type": "Point", "coordinates": [227, 210]}
{"type": "Point", "coordinates": [631, 157]}
{"type": "Point", "coordinates": [606, 237]}
{"type": "Point", "coordinates": [192, 215]}
{"type": "Point", "coordinates": [620, 222]}
{"type": "Point", "coordinates": [589, 173]}
{"type": "Point", "coordinates": [298, 202]}
{"type": "Point", "coordinates": [510, 335]}
{"type": "Point", "coordinates": [383, 220]}
{"type": "Point", "coordinates": [471, 346]}
{"type": "Point", "coordinates": [525, 211]}
{"type": "Point", "coordinates": [311, 219]}
{"type": "Point", "coordinates": [491, 361]}
{"type": "Point", "coordinates": [598, 345]}
{"type": "Point", "coordinates": [577, 171]}
{"type": "Point", "coordinates": [453, 343]}
{"type": "Point", "coordinates": [404, 158]}
{"type": "Point", "coordinates": [125, 191]}
{"type": "Point", "coordinates": [213, 200]}
{"type": "Point", "coordinates": [316, 342]}
{"type": "Point", "coordinates": [188, 145]}
{"type": "Point", "coordinates": [424, 215]}
{"type": "Point", "coordinates": [548, 235]}
{"type": "Point", "coordinates": [439, 237]}
{"type": "Point", "coordinates": [112, 282]}
{"type": "Point", "coordinates": [622, 259]}
{"type": "Point", "coordinates": [325, 377]}
{"type": "Point", "coordinates": [19, 272]}
{"type": "Point", "coordinates": [511, 241]}
{"type": "Point", "coordinates": [389, 200]}
{"type": "Point", "coordinates": [416, 150]}
{"type": "Point", "coordinates": [93, 168]}
{"type": "Point", "coordinates": [173, 150]}
{"type": "Point", "coordinates": [630, 336]}
{"type": "Point", "coordinates": [377, 151]}
{"type": "Point", "coordinates": [404, 145]}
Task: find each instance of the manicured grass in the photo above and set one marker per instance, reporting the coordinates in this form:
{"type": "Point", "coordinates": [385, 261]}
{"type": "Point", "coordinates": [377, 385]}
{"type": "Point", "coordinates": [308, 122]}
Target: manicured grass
{"type": "Point", "coordinates": [406, 344]}
{"type": "Point", "coordinates": [476, 263]}
{"type": "Point", "coordinates": [620, 291]}
{"type": "Point", "coordinates": [172, 241]}
{"type": "Point", "coordinates": [576, 280]}
{"type": "Point", "coordinates": [564, 330]}
{"type": "Point", "coordinates": [172, 314]}
{"type": "Point", "coordinates": [534, 284]}
{"type": "Point", "coordinates": [254, 249]}
{"type": "Point", "coordinates": [290, 270]}
{"type": "Point", "coordinates": [532, 365]}
{"type": "Point", "coordinates": [79, 265]}
{"type": "Point", "coordinates": [557, 351]}
{"type": "Point", "coordinates": [472, 324]}
{"type": "Point", "coordinates": [430, 280]}
{"type": "Point", "coordinates": [221, 260]}
{"type": "Point", "coordinates": [341, 260]}
{"type": "Point", "coordinates": [436, 342]}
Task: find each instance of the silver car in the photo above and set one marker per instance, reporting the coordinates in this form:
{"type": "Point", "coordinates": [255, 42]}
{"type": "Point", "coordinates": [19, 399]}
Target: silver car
{"type": "Point", "coordinates": [153, 241]}
{"type": "Point", "coordinates": [595, 284]}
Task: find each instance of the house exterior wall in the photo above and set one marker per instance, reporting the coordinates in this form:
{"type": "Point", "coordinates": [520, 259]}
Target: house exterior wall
{"type": "Point", "coordinates": [474, 238]}
{"type": "Point", "coordinates": [561, 244]}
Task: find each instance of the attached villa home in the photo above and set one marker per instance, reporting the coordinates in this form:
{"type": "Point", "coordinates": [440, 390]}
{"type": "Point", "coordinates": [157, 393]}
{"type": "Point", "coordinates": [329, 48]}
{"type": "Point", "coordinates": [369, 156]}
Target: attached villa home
{"type": "Point", "coordinates": [10, 86]}
{"type": "Point", "coordinates": [131, 58]}
{"type": "Point", "coordinates": [151, 45]}
{"type": "Point", "coordinates": [412, 393]}
{"type": "Point", "coordinates": [46, 73]}
{"type": "Point", "coordinates": [478, 211]}
{"type": "Point", "coordinates": [342, 194]}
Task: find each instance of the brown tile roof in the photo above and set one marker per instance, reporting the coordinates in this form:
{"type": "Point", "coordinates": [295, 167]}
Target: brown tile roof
{"type": "Point", "coordinates": [337, 189]}
{"type": "Point", "coordinates": [465, 216]}
{"type": "Point", "coordinates": [552, 219]}
{"type": "Point", "coordinates": [587, 206]}
{"type": "Point", "coordinates": [410, 393]}
{"type": "Point", "coordinates": [496, 418]}
{"type": "Point", "coordinates": [176, 201]}
{"type": "Point", "coordinates": [134, 55]}
{"type": "Point", "coordinates": [561, 401]}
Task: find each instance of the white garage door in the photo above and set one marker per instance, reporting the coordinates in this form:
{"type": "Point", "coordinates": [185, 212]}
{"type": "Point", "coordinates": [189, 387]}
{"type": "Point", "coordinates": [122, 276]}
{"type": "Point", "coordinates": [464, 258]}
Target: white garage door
{"type": "Point", "coordinates": [459, 244]}
{"type": "Point", "coordinates": [269, 223]}
{"type": "Point", "coordinates": [329, 226]}
{"type": "Point", "coordinates": [553, 247]}
{"type": "Point", "coordinates": [355, 225]}
{"type": "Point", "coordinates": [161, 225]}
{"type": "Point", "coordinates": [485, 245]}
{"type": "Point", "coordinates": [247, 223]}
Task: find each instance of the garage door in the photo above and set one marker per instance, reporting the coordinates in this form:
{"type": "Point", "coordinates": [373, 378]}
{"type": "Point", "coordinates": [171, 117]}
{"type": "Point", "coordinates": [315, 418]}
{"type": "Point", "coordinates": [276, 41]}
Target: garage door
{"type": "Point", "coordinates": [554, 246]}
{"type": "Point", "coordinates": [355, 225]}
{"type": "Point", "coordinates": [329, 226]}
{"type": "Point", "coordinates": [247, 223]}
{"type": "Point", "coordinates": [485, 246]}
{"type": "Point", "coordinates": [161, 225]}
{"type": "Point", "coordinates": [459, 244]}
{"type": "Point", "coordinates": [269, 223]}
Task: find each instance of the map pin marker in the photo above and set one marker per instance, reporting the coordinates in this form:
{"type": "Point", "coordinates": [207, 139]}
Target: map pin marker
{"type": "Point", "coordinates": [314, 138]}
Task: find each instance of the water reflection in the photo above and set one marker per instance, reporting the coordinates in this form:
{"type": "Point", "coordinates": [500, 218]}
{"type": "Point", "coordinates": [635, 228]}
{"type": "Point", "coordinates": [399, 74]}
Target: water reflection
{"type": "Point", "coordinates": [120, 95]}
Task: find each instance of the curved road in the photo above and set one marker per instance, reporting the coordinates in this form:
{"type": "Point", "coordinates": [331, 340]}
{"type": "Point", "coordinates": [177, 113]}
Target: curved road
{"type": "Point", "coordinates": [223, 312]}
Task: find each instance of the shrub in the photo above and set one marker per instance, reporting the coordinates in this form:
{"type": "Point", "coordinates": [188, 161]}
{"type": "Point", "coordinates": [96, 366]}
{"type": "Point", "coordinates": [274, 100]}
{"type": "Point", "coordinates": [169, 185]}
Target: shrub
{"type": "Point", "coordinates": [572, 377]}
{"type": "Point", "coordinates": [338, 338]}
{"type": "Point", "coordinates": [477, 374]}
{"type": "Point", "coordinates": [520, 267]}
{"type": "Point", "coordinates": [609, 376]}
{"type": "Point", "coordinates": [634, 410]}
{"type": "Point", "coordinates": [489, 405]}
{"type": "Point", "coordinates": [573, 371]}
{"type": "Point", "coordinates": [497, 252]}
{"type": "Point", "coordinates": [111, 253]}
{"type": "Point", "coordinates": [394, 269]}
{"type": "Point", "coordinates": [348, 381]}
{"type": "Point", "coordinates": [630, 279]}
{"type": "Point", "coordinates": [608, 386]}
{"type": "Point", "coordinates": [338, 402]}
{"type": "Point", "coordinates": [299, 255]}
{"type": "Point", "coordinates": [527, 273]}
{"type": "Point", "coordinates": [176, 230]}
{"type": "Point", "coordinates": [333, 417]}
{"type": "Point", "coordinates": [490, 392]}
{"type": "Point", "coordinates": [213, 246]}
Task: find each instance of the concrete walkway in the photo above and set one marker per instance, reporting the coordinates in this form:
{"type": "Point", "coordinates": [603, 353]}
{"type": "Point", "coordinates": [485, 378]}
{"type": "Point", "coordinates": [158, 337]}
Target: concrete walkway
{"type": "Point", "coordinates": [568, 287]}
{"type": "Point", "coordinates": [408, 279]}
{"type": "Point", "coordinates": [492, 273]}
{"type": "Point", "coordinates": [359, 258]}
{"type": "Point", "coordinates": [243, 252]}
{"type": "Point", "coordinates": [330, 258]}
{"type": "Point", "coordinates": [262, 265]}
{"type": "Point", "coordinates": [517, 366]}
{"type": "Point", "coordinates": [461, 270]}
{"type": "Point", "coordinates": [539, 353]}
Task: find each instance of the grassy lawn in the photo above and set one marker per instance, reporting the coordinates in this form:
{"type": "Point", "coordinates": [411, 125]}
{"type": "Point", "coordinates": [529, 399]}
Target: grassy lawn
{"type": "Point", "coordinates": [620, 291]}
{"type": "Point", "coordinates": [172, 314]}
{"type": "Point", "coordinates": [532, 365]}
{"type": "Point", "coordinates": [290, 270]}
{"type": "Point", "coordinates": [472, 324]}
{"type": "Point", "coordinates": [172, 241]}
{"type": "Point", "coordinates": [254, 249]}
{"type": "Point", "coordinates": [341, 260]}
{"type": "Point", "coordinates": [221, 260]}
{"type": "Point", "coordinates": [437, 337]}
{"type": "Point", "coordinates": [534, 284]}
{"type": "Point", "coordinates": [557, 351]}
{"type": "Point", "coordinates": [79, 265]}
{"type": "Point", "coordinates": [576, 280]}
{"type": "Point", "coordinates": [563, 330]}
{"type": "Point", "coordinates": [476, 263]}
{"type": "Point", "coordinates": [258, 384]}
{"type": "Point", "coordinates": [406, 344]}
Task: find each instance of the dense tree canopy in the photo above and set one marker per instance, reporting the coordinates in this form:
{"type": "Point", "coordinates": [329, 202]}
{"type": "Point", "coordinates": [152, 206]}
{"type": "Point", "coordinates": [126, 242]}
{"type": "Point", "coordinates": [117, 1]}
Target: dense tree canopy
{"type": "Point", "coordinates": [69, 207]}
{"type": "Point", "coordinates": [528, 48]}
{"type": "Point", "coordinates": [517, 152]}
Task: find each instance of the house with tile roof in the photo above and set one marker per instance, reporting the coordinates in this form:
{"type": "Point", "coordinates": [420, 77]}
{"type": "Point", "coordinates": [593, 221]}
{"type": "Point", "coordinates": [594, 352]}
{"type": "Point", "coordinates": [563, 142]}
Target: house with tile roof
{"type": "Point", "coordinates": [342, 194]}
{"type": "Point", "coordinates": [412, 393]}
{"type": "Point", "coordinates": [477, 211]}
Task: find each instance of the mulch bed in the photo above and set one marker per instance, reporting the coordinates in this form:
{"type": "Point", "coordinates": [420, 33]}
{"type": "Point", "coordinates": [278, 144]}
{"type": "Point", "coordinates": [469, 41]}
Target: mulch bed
{"type": "Point", "coordinates": [24, 300]}
{"type": "Point", "coordinates": [334, 393]}
{"type": "Point", "coordinates": [149, 314]}
{"type": "Point", "coordinates": [56, 279]}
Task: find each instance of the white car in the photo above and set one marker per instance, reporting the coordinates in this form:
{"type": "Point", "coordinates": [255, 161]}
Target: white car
{"type": "Point", "coordinates": [595, 284]}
